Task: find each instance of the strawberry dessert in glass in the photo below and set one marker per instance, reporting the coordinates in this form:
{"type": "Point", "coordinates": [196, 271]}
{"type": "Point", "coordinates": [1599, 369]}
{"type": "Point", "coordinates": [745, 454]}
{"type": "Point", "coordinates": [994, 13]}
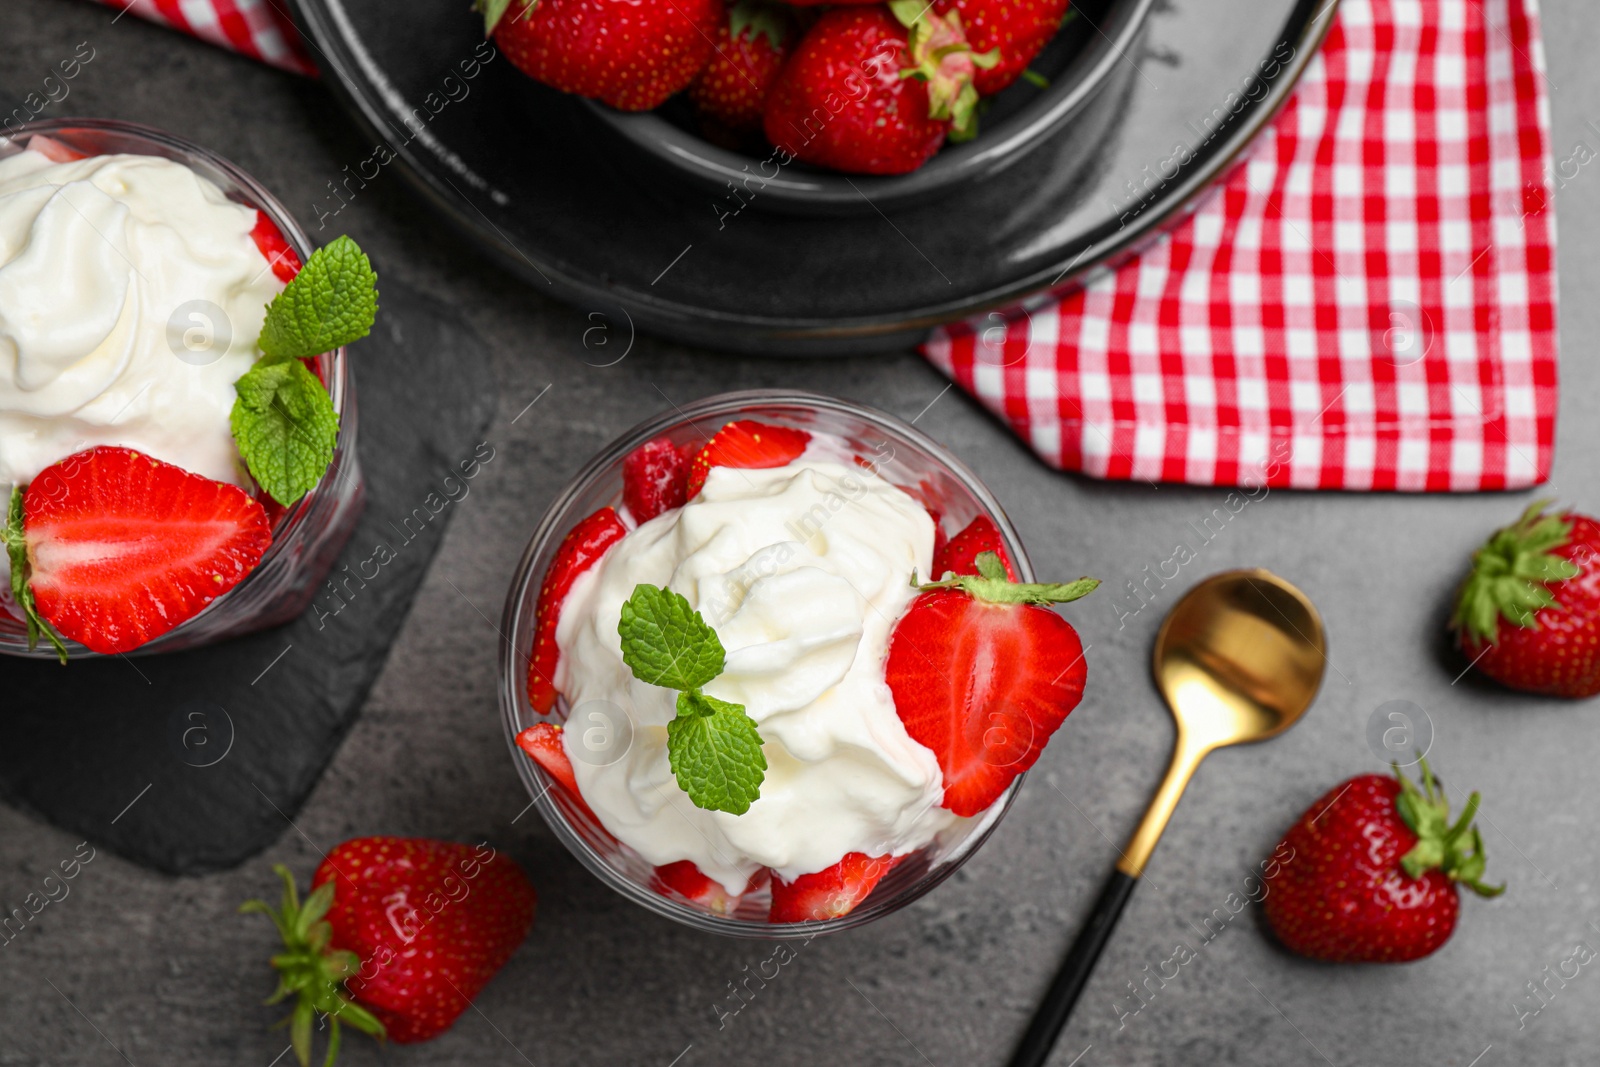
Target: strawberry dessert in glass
{"type": "Point", "coordinates": [776, 663]}
{"type": "Point", "coordinates": [177, 420]}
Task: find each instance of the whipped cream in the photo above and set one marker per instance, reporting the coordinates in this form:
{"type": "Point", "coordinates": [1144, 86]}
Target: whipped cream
{"type": "Point", "coordinates": [106, 264]}
{"type": "Point", "coordinates": [802, 570]}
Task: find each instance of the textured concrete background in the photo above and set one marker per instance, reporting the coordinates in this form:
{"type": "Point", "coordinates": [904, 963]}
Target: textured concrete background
{"type": "Point", "coordinates": [153, 970]}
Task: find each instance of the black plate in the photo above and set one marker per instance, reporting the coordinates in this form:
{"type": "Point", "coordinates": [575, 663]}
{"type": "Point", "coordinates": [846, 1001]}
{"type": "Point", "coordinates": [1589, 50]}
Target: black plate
{"type": "Point", "coordinates": [533, 178]}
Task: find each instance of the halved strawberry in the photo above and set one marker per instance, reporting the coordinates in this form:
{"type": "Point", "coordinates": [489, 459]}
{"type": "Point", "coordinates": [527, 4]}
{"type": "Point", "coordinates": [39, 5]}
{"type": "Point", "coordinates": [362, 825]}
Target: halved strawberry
{"type": "Point", "coordinates": [655, 478]}
{"type": "Point", "coordinates": [273, 245]}
{"type": "Point", "coordinates": [122, 547]}
{"type": "Point", "coordinates": [830, 893]}
{"type": "Point", "coordinates": [982, 673]}
{"type": "Point", "coordinates": [749, 445]}
{"type": "Point", "coordinates": [686, 880]}
{"type": "Point", "coordinates": [542, 743]}
{"type": "Point", "coordinates": [579, 550]}
{"type": "Point", "coordinates": [960, 556]}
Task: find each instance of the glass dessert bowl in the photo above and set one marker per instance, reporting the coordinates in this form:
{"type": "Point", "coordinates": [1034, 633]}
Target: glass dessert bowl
{"type": "Point", "coordinates": [861, 499]}
{"type": "Point", "coordinates": [175, 337]}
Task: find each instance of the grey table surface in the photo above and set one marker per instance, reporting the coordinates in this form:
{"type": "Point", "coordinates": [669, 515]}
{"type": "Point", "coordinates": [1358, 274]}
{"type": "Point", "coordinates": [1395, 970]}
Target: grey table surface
{"type": "Point", "coordinates": [147, 969]}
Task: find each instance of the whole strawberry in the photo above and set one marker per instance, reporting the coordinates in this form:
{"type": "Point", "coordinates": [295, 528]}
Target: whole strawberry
{"type": "Point", "coordinates": [751, 46]}
{"type": "Point", "coordinates": [626, 53]}
{"type": "Point", "coordinates": [396, 938]}
{"type": "Point", "coordinates": [983, 673]}
{"type": "Point", "coordinates": [1014, 30]}
{"type": "Point", "coordinates": [864, 93]}
{"type": "Point", "coordinates": [1372, 872]}
{"type": "Point", "coordinates": [1528, 614]}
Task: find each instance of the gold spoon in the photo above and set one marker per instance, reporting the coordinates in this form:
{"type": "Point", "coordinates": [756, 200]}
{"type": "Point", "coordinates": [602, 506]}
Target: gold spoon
{"type": "Point", "coordinates": [1238, 659]}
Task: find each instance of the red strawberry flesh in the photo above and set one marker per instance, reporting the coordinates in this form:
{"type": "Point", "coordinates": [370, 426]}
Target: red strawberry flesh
{"type": "Point", "coordinates": [828, 894]}
{"type": "Point", "coordinates": [1351, 885]}
{"type": "Point", "coordinates": [273, 245]}
{"type": "Point", "coordinates": [123, 548]}
{"type": "Point", "coordinates": [751, 46]}
{"type": "Point", "coordinates": [583, 546]}
{"type": "Point", "coordinates": [655, 479]}
{"type": "Point", "coordinates": [630, 55]}
{"type": "Point", "coordinates": [431, 921]}
{"type": "Point", "coordinates": [960, 555]}
{"type": "Point", "coordinates": [984, 686]}
{"type": "Point", "coordinates": [878, 122]}
{"type": "Point", "coordinates": [1539, 635]}
{"type": "Point", "coordinates": [748, 445]}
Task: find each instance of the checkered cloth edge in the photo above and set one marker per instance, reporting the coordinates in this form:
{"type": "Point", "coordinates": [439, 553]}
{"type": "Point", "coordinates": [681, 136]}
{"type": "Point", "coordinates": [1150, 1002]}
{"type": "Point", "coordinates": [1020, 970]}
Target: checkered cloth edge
{"type": "Point", "coordinates": [260, 29]}
{"type": "Point", "coordinates": [1368, 302]}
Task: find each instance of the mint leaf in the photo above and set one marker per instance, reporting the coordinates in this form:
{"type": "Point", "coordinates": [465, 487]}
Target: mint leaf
{"type": "Point", "coordinates": [21, 591]}
{"type": "Point", "coordinates": [331, 302]}
{"type": "Point", "coordinates": [665, 642]}
{"type": "Point", "coordinates": [285, 427]}
{"type": "Point", "coordinates": [715, 752]}
{"type": "Point", "coordinates": [713, 747]}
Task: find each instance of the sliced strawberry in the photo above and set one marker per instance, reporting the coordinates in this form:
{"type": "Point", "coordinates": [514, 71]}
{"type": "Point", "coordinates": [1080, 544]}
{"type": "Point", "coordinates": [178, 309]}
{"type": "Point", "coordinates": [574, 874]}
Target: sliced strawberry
{"type": "Point", "coordinates": [655, 478]}
{"type": "Point", "coordinates": [830, 893]}
{"type": "Point", "coordinates": [982, 674]}
{"type": "Point", "coordinates": [53, 150]}
{"type": "Point", "coordinates": [542, 743]}
{"type": "Point", "coordinates": [270, 239]}
{"type": "Point", "coordinates": [686, 880]}
{"type": "Point", "coordinates": [579, 550]}
{"type": "Point", "coordinates": [748, 445]}
{"type": "Point", "coordinates": [960, 556]}
{"type": "Point", "coordinates": [123, 547]}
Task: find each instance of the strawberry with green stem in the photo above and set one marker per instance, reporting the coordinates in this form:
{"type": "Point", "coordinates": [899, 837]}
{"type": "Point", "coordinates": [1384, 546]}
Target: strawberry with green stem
{"type": "Point", "coordinates": [312, 971]}
{"type": "Point", "coordinates": [1373, 869]}
{"type": "Point", "coordinates": [1528, 613]}
{"type": "Point", "coordinates": [1014, 31]}
{"type": "Point", "coordinates": [749, 51]}
{"type": "Point", "coordinates": [983, 672]}
{"type": "Point", "coordinates": [868, 91]}
{"type": "Point", "coordinates": [397, 936]}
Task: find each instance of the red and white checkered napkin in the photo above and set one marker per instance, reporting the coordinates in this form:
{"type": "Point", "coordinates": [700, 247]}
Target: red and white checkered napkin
{"type": "Point", "coordinates": [260, 29]}
{"type": "Point", "coordinates": [1367, 303]}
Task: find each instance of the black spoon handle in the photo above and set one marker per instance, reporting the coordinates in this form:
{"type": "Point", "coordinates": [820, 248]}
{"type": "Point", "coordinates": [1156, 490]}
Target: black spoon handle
{"type": "Point", "coordinates": [1034, 1048]}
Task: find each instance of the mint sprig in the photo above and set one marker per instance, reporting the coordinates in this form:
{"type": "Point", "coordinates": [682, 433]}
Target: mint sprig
{"type": "Point", "coordinates": [283, 420]}
{"type": "Point", "coordinates": [21, 591]}
{"type": "Point", "coordinates": [713, 746]}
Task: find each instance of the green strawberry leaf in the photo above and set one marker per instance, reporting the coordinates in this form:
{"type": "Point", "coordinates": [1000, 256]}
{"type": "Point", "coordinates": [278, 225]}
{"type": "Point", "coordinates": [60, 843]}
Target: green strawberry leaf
{"type": "Point", "coordinates": [331, 302]}
{"type": "Point", "coordinates": [21, 591]}
{"type": "Point", "coordinates": [285, 427]}
{"type": "Point", "coordinates": [492, 11]}
{"type": "Point", "coordinates": [715, 752]}
{"type": "Point", "coordinates": [1510, 575]}
{"type": "Point", "coordinates": [665, 642]}
{"type": "Point", "coordinates": [991, 584]}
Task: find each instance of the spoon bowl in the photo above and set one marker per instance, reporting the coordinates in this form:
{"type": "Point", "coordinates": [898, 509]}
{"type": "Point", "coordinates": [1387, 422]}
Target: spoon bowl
{"type": "Point", "coordinates": [1240, 658]}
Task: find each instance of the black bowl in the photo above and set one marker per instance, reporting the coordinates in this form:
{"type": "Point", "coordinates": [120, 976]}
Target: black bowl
{"type": "Point", "coordinates": [1077, 63]}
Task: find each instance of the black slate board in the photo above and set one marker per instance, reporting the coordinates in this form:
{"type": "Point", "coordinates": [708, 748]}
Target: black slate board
{"type": "Point", "coordinates": [195, 761]}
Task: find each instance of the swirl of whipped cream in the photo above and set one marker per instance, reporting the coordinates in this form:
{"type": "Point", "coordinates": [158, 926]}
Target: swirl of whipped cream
{"type": "Point", "coordinates": [802, 570]}
{"type": "Point", "coordinates": [105, 264]}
